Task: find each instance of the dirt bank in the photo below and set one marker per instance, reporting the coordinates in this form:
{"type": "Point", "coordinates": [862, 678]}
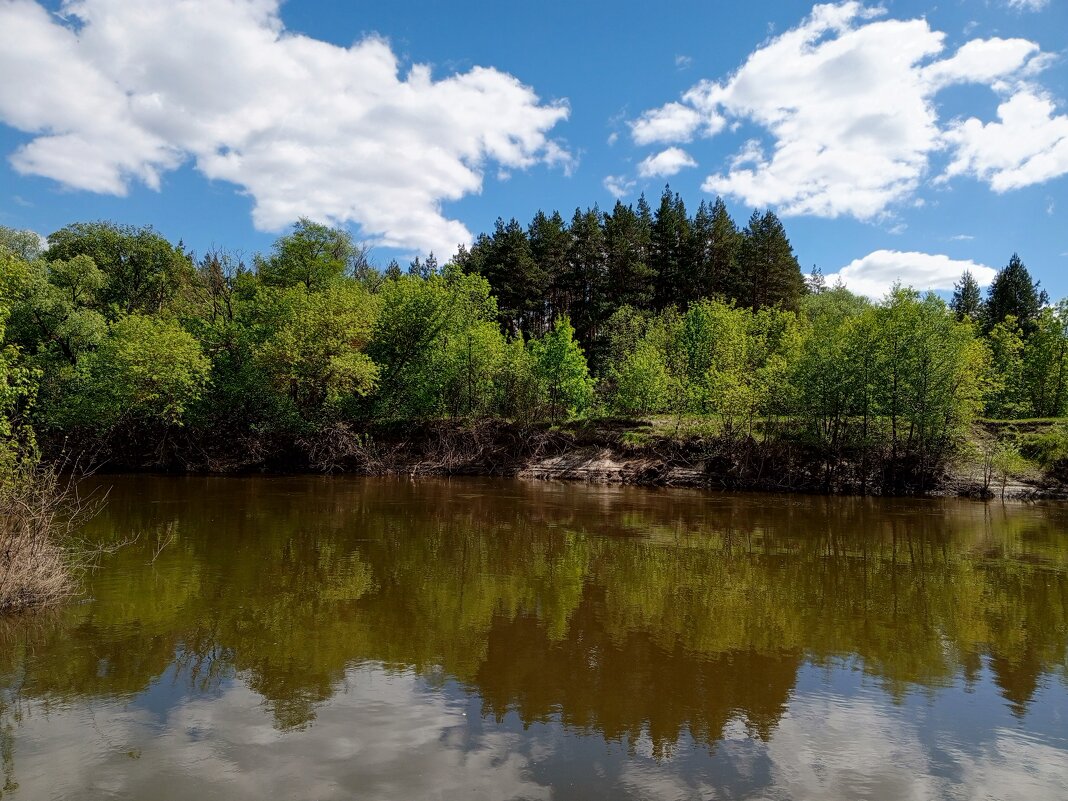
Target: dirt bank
{"type": "Point", "coordinates": [605, 451]}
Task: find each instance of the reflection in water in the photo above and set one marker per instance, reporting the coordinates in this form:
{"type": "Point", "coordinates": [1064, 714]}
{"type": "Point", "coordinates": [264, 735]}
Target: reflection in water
{"type": "Point", "coordinates": [326, 638]}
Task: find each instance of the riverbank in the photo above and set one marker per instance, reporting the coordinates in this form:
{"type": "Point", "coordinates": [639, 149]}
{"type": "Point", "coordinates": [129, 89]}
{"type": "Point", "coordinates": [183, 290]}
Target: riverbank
{"type": "Point", "coordinates": [657, 452]}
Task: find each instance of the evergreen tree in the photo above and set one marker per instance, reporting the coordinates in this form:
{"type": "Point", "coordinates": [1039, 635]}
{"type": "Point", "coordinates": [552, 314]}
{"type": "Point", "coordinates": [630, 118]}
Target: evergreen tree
{"type": "Point", "coordinates": [816, 283]}
{"type": "Point", "coordinates": [1013, 293]}
{"type": "Point", "coordinates": [967, 300]}
{"type": "Point", "coordinates": [722, 252]}
{"type": "Point", "coordinates": [630, 279]}
{"type": "Point", "coordinates": [587, 275]}
{"type": "Point", "coordinates": [550, 241]}
{"type": "Point", "coordinates": [672, 251]}
{"type": "Point", "coordinates": [517, 280]}
{"type": "Point", "coordinates": [769, 274]}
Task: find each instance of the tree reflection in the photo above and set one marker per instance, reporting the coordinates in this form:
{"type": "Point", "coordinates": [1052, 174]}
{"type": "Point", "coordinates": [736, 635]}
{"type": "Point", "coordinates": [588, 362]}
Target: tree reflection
{"type": "Point", "coordinates": [615, 611]}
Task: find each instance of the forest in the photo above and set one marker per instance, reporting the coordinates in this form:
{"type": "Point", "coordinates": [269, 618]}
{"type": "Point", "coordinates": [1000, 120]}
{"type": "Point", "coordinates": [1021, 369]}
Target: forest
{"type": "Point", "coordinates": [123, 345]}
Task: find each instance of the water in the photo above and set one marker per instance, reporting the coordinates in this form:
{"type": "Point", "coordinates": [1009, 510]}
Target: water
{"type": "Point", "coordinates": [329, 638]}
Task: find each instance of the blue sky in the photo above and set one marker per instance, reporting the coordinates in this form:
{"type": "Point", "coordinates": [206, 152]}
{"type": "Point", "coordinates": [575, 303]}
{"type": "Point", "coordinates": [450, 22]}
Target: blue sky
{"type": "Point", "coordinates": [901, 140]}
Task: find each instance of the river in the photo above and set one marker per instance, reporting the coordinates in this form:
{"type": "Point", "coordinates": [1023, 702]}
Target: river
{"type": "Point", "coordinates": [346, 638]}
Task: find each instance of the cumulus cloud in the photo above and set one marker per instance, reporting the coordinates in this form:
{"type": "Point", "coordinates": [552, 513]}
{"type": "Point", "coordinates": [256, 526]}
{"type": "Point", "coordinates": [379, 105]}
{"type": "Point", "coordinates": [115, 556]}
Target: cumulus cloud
{"type": "Point", "coordinates": [875, 274]}
{"type": "Point", "coordinates": [665, 163]}
{"type": "Point", "coordinates": [361, 745]}
{"type": "Point", "coordinates": [846, 104]}
{"type": "Point", "coordinates": [115, 92]}
{"type": "Point", "coordinates": [618, 185]}
{"type": "Point", "coordinates": [1027, 145]}
{"type": "Point", "coordinates": [672, 122]}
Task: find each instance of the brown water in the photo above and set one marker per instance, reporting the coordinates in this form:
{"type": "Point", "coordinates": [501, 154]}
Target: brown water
{"type": "Point", "coordinates": [337, 638]}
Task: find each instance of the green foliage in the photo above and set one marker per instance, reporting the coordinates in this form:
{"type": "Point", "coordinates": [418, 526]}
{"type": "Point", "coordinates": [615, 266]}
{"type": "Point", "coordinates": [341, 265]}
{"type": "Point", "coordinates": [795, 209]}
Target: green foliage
{"type": "Point", "coordinates": [1049, 448]}
{"type": "Point", "coordinates": [1006, 396]}
{"type": "Point", "coordinates": [113, 330]}
{"type": "Point", "coordinates": [141, 272]}
{"type": "Point", "coordinates": [18, 387]}
{"type": "Point", "coordinates": [1013, 294]}
{"type": "Point", "coordinates": [769, 272]}
{"type": "Point", "coordinates": [1045, 363]}
{"type": "Point", "coordinates": [313, 352]}
{"type": "Point", "coordinates": [426, 338]}
{"type": "Point", "coordinates": [23, 245]}
{"type": "Point", "coordinates": [967, 299]}
{"type": "Point", "coordinates": [312, 256]}
{"type": "Point", "coordinates": [643, 383]}
{"type": "Point", "coordinates": [562, 371]}
{"type": "Point", "coordinates": [147, 370]}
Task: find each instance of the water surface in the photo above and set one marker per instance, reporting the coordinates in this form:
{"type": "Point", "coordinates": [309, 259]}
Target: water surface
{"type": "Point", "coordinates": [337, 638]}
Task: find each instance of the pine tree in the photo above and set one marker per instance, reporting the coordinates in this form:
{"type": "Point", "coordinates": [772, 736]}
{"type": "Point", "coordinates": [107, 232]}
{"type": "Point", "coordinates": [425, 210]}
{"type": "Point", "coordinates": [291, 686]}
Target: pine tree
{"type": "Point", "coordinates": [550, 241]}
{"type": "Point", "coordinates": [630, 279]}
{"type": "Point", "coordinates": [587, 275]}
{"type": "Point", "coordinates": [967, 300]}
{"type": "Point", "coordinates": [722, 270]}
{"type": "Point", "coordinates": [519, 283]}
{"type": "Point", "coordinates": [672, 250]}
{"type": "Point", "coordinates": [1013, 293]}
{"type": "Point", "coordinates": [769, 272]}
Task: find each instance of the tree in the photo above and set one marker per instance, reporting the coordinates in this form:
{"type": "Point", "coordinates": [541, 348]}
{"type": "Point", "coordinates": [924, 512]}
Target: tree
{"type": "Point", "coordinates": [1006, 396]}
{"type": "Point", "coordinates": [967, 302]}
{"type": "Point", "coordinates": [562, 371]}
{"type": "Point", "coordinates": [18, 387]}
{"type": "Point", "coordinates": [769, 272]}
{"type": "Point", "coordinates": [312, 255]}
{"type": "Point", "coordinates": [550, 241]}
{"type": "Point", "coordinates": [315, 355]}
{"type": "Point", "coordinates": [671, 251]}
{"type": "Point", "coordinates": [1045, 362]}
{"type": "Point", "coordinates": [518, 281]}
{"type": "Point", "coordinates": [55, 314]}
{"type": "Point", "coordinates": [642, 381]}
{"type": "Point", "coordinates": [586, 283]}
{"type": "Point", "coordinates": [142, 272]}
{"type": "Point", "coordinates": [1013, 293]}
{"type": "Point", "coordinates": [716, 244]}
{"type": "Point", "coordinates": [428, 342]}
{"type": "Point", "coordinates": [629, 276]}
{"type": "Point", "coordinates": [146, 371]}
{"type": "Point", "coordinates": [24, 245]}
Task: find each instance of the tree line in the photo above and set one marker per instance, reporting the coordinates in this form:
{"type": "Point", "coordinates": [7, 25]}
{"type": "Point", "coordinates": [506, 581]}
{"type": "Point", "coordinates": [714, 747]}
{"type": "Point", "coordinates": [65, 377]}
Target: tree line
{"type": "Point", "coordinates": [114, 334]}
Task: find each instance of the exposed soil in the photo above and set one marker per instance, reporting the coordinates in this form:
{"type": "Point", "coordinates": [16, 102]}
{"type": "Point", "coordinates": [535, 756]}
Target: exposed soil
{"type": "Point", "coordinates": [605, 452]}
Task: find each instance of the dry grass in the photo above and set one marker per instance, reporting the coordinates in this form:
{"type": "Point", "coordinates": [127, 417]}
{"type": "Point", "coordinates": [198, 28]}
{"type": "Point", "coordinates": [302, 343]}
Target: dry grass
{"type": "Point", "coordinates": [41, 510]}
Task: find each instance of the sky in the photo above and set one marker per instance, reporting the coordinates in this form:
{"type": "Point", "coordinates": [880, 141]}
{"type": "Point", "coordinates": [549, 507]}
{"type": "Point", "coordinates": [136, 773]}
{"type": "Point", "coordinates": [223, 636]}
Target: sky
{"type": "Point", "coordinates": [897, 141]}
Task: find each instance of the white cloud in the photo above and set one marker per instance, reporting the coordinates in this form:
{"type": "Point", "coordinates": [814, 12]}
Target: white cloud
{"type": "Point", "coordinates": [1028, 5]}
{"type": "Point", "coordinates": [875, 274]}
{"type": "Point", "coordinates": [683, 62]}
{"type": "Point", "coordinates": [835, 747]}
{"type": "Point", "coordinates": [618, 185]}
{"type": "Point", "coordinates": [846, 101]}
{"type": "Point", "coordinates": [1028, 145]}
{"type": "Point", "coordinates": [115, 92]}
{"type": "Point", "coordinates": [672, 122]}
{"type": "Point", "coordinates": [665, 163]}
{"type": "Point", "coordinates": [361, 745]}
{"type": "Point", "coordinates": [962, 238]}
